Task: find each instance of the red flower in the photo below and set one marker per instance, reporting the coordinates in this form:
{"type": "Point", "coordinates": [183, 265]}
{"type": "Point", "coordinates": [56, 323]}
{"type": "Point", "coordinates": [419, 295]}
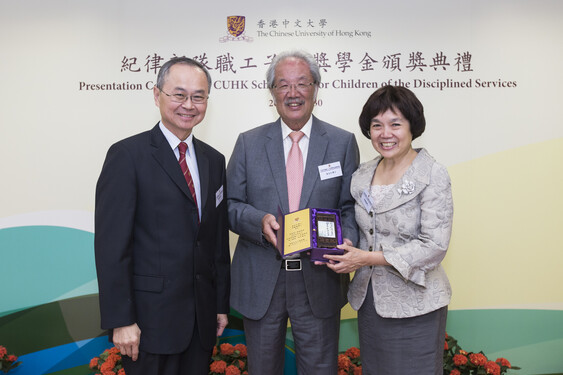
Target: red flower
{"type": "Point", "coordinates": [492, 368]}
{"type": "Point", "coordinates": [353, 352]}
{"type": "Point", "coordinates": [214, 351]}
{"type": "Point", "coordinates": [227, 349]}
{"type": "Point", "coordinates": [478, 359]}
{"type": "Point", "coordinates": [460, 360]}
{"type": "Point", "coordinates": [343, 362]}
{"type": "Point", "coordinates": [503, 362]}
{"type": "Point", "coordinates": [455, 372]}
{"type": "Point", "coordinates": [342, 372]}
{"type": "Point", "coordinates": [358, 370]}
{"type": "Point", "coordinates": [232, 370]}
{"type": "Point", "coordinates": [242, 350]}
{"type": "Point", "coordinates": [107, 366]}
{"type": "Point", "coordinates": [113, 350]}
{"type": "Point", "coordinates": [3, 351]}
{"type": "Point", "coordinates": [446, 345]}
{"type": "Point", "coordinates": [121, 372]}
{"type": "Point", "coordinates": [218, 367]}
{"type": "Point", "coordinates": [94, 362]}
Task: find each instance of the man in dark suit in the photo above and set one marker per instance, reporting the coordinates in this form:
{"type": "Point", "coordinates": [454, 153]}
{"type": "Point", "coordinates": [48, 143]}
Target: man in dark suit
{"type": "Point", "coordinates": [161, 239]}
{"type": "Point", "coordinates": [266, 290]}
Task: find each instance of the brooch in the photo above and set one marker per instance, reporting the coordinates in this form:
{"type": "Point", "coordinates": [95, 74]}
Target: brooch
{"type": "Point", "coordinates": [406, 188]}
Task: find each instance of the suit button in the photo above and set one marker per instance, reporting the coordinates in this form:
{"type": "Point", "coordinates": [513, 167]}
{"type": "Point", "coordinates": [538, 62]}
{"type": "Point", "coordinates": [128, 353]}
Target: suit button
{"type": "Point", "coordinates": [371, 248]}
{"type": "Point", "coordinates": [371, 214]}
{"type": "Point", "coordinates": [371, 231]}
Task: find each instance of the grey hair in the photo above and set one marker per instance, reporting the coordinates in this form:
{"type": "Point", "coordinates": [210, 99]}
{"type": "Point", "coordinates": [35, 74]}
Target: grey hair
{"type": "Point", "coordinates": [302, 55]}
{"type": "Point", "coordinates": [180, 60]}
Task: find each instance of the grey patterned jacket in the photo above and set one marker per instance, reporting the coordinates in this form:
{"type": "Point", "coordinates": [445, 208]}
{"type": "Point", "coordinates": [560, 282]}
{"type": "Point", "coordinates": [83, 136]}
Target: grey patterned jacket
{"type": "Point", "coordinates": [412, 225]}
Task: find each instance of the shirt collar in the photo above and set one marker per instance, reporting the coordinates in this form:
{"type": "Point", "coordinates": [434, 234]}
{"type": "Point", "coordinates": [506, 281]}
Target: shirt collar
{"type": "Point", "coordinates": [306, 129]}
{"type": "Point", "coordinates": [173, 140]}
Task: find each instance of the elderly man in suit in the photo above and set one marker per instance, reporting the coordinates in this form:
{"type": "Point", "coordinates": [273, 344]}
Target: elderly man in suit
{"type": "Point", "coordinates": [262, 175]}
{"type": "Point", "coordinates": [161, 241]}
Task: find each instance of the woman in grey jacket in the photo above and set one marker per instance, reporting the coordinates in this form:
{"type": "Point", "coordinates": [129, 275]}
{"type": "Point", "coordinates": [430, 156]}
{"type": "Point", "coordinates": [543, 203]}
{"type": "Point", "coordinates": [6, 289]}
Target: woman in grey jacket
{"type": "Point", "coordinates": [404, 211]}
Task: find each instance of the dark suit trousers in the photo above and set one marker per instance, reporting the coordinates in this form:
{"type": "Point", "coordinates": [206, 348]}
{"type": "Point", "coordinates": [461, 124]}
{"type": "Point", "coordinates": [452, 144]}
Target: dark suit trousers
{"type": "Point", "coordinates": [316, 340]}
{"type": "Point", "coordinates": [192, 361]}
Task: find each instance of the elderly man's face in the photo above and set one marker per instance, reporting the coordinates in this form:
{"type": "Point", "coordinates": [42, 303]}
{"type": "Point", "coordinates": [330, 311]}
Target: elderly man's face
{"type": "Point", "coordinates": [294, 92]}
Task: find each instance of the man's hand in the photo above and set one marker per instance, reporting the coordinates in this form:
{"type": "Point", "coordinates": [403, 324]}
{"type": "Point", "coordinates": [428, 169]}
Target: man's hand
{"type": "Point", "coordinates": [127, 340]}
{"type": "Point", "coordinates": [222, 321]}
{"type": "Point", "coordinates": [269, 226]}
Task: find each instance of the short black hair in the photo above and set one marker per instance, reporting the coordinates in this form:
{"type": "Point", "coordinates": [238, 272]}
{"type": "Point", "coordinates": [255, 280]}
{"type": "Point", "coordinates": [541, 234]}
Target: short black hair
{"type": "Point", "coordinates": [163, 72]}
{"type": "Point", "coordinates": [395, 98]}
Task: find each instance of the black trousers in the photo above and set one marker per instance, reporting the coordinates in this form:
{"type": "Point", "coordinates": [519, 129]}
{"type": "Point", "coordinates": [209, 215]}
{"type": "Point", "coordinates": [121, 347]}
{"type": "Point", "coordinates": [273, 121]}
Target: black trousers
{"type": "Point", "coordinates": [192, 361]}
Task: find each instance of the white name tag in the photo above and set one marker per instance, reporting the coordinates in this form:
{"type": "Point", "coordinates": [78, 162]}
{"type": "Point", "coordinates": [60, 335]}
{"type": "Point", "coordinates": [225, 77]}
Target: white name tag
{"type": "Point", "coordinates": [330, 170]}
{"type": "Point", "coordinates": [367, 200]}
{"type": "Point", "coordinates": [219, 196]}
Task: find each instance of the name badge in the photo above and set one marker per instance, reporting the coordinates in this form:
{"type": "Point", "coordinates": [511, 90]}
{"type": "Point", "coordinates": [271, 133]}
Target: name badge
{"type": "Point", "coordinates": [330, 170]}
{"type": "Point", "coordinates": [367, 200]}
{"type": "Point", "coordinates": [219, 196]}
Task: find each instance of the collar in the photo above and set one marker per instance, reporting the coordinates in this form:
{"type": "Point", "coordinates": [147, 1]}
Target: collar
{"type": "Point", "coordinates": [174, 141]}
{"type": "Point", "coordinates": [306, 129]}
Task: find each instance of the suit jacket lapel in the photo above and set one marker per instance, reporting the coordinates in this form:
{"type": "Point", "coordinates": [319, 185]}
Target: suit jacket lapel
{"type": "Point", "coordinates": [165, 157]}
{"type": "Point", "coordinates": [275, 155]}
{"type": "Point", "coordinates": [318, 144]}
{"type": "Point", "coordinates": [415, 179]}
{"type": "Point", "coordinates": [203, 168]}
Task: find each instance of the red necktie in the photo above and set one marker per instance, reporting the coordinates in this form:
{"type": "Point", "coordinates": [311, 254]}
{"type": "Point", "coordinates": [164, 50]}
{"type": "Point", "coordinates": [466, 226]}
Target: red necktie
{"type": "Point", "coordinates": [294, 171]}
{"type": "Point", "coordinates": [182, 147]}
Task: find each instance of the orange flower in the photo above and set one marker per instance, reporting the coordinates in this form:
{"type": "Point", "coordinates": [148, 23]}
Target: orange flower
{"type": "Point", "coordinates": [227, 349]}
{"type": "Point", "coordinates": [232, 370]}
{"type": "Point", "coordinates": [460, 360]}
{"type": "Point", "coordinates": [218, 366]}
{"type": "Point", "coordinates": [478, 359]}
{"type": "Point", "coordinates": [94, 362]}
{"type": "Point", "coordinates": [455, 372]}
{"type": "Point", "coordinates": [242, 350]}
{"type": "Point", "coordinates": [121, 372]}
{"type": "Point", "coordinates": [446, 345]}
{"type": "Point", "coordinates": [113, 350]}
{"type": "Point", "coordinates": [107, 366]}
{"type": "Point", "coordinates": [358, 370]}
{"type": "Point", "coordinates": [503, 362]}
{"type": "Point", "coordinates": [214, 351]}
{"type": "Point", "coordinates": [492, 368]}
{"type": "Point", "coordinates": [343, 362]}
{"type": "Point", "coordinates": [3, 351]}
{"type": "Point", "coordinates": [342, 372]}
{"type": "Point", "coordinates": [353, 352]}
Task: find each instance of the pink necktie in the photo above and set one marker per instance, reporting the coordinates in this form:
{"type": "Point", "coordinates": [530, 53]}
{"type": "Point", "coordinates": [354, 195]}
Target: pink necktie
{"type": "Point", "coordinates": [294, 171]}
{"type": "Point", "coordinates": [182, 147]}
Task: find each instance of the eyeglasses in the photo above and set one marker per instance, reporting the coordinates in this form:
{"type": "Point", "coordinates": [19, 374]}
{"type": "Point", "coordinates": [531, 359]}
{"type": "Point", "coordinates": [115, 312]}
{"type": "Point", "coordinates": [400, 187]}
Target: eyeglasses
{"type": "Point", "coordinates": [301, 87]}
{"type": "Point", "coordinates": [182, 98]}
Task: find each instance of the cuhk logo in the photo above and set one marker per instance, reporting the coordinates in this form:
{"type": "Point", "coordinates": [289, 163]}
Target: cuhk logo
{"type": "Point", "coordinates": [235, 27]}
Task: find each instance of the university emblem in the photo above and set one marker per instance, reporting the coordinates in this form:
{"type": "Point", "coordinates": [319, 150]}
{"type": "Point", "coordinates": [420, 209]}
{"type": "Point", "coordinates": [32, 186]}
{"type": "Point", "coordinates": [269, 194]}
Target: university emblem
{"type": "Point", "coordinates": [235, 27]}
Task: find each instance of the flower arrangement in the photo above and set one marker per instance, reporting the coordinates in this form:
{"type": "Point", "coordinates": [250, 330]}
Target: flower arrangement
{"type": "Point", "coordinates": [108, 363]}
{"type": "Point", "coordinates": [229, 360]}
{"type": "Point", "coordinates": [349, 362]}
{"type": "Point", "coordinates": [232, 360]}
{"type": "Point", "coordinates": [459, 362]}
{"type": "Point", "coordinates": [7, 361]}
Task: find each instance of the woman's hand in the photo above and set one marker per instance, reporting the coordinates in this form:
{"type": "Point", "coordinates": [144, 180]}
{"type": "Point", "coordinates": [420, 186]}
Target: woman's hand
{"type": "Point", "coordinates": [350, 261]}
